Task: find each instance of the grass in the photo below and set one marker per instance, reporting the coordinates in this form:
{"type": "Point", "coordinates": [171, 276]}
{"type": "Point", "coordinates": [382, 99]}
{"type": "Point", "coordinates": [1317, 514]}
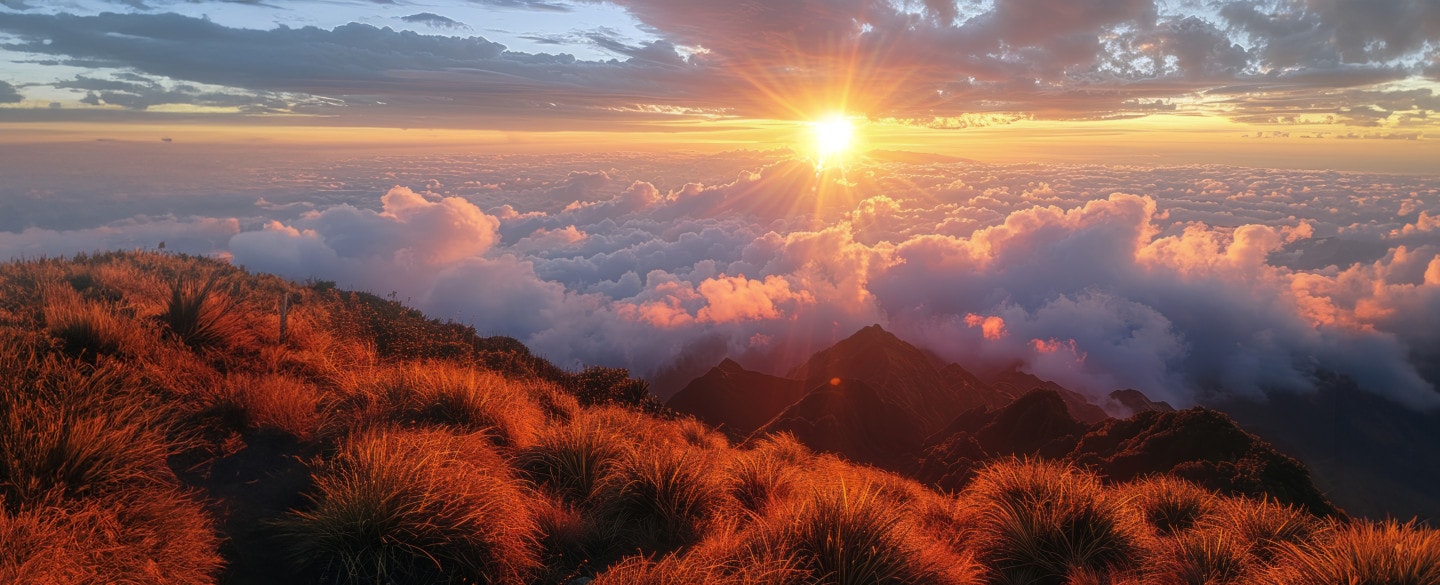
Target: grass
{"type": "Point", "coordinates": [660, 500]}
{"type": "Point", "coordinates": [572, 459]}
{"type": "Point", "coordinates": [438, 456]}
{"type": "Point", "coordinates": [415, 507]}
{"type": "Point", "coordinates": [1363, 553]}
{"type": "Point", "coordinates": [1043, 521]}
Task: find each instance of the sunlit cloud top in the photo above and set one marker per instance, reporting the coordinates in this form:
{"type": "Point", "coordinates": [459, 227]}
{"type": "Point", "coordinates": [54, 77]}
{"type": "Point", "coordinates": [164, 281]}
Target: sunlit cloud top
{"type": "Point", "coordinates": [1361, 63]}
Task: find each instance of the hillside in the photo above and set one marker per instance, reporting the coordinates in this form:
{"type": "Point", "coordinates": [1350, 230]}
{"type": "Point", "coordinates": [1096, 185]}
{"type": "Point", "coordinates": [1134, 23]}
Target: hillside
{"type": "Point", "coordinates": [166, 421]}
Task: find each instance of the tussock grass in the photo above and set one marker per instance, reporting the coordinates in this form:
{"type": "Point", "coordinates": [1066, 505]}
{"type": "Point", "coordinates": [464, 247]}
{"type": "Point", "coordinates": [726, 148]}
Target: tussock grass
{"type": "Point", "coordinates": [572, 459]}
{"type": "Point", "coordinates": [441, 394]}
{"type": "Point", "coordinates": [415, 507]}
{"type": "Point", "coordinates": [1202, 557]}
{"type": "Point", "coordinates": [203, 315]}
{"type": "Point", "coordinates": [848, 534]}
{"type": "Point", "coordinates": [272, 403]}
{"type": "Point", "coordinates": [758, 479]}
{"type": "Point", "coordinates": [1363, 553]}
{"type": "Point", "coordinates": [68, 434]}
{"type": "Point", "coordinates": [660, 499]}
{"type": "Point", "coordinates": [1171, 505]}
{"type": "Point", "coordinates": [88, 329]}
{"type": "Point", "coordinates": [1041, 521]}
{"type": "Point", "coordinates": [673, 570]}
{"type": "Point", "coordinates": [143, 536]}
{"type": "Point", "coordinates": [1265, 526]}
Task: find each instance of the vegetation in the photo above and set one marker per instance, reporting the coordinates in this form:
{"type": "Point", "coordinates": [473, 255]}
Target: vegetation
{"type": "Point", "coordinates": [155, 428]}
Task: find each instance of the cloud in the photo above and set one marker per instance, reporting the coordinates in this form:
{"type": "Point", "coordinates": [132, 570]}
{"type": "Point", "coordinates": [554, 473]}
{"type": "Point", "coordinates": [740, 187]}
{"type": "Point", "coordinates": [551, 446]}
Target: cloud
{"type": "Point", "coordinates": [434, 20]}
{"type": "Point", "coordinates": [942, 64]}
{"type": "Point", "coordinates": [1184, 282]}
{"type": "Point", "coordinates": [8, 94]}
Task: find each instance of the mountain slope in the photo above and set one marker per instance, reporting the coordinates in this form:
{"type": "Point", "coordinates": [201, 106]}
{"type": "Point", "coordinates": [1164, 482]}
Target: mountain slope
{"type": "Point", "coordinates": [736, 400]}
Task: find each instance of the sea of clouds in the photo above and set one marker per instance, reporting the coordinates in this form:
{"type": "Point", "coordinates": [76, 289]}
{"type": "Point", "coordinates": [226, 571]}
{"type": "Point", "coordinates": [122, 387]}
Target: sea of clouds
{"type": "Point", "coordinates": [1183, 282]}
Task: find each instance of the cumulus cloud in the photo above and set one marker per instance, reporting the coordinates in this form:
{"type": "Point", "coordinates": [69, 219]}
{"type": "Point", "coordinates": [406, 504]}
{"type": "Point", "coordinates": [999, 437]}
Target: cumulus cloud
{"type": "Point", "coordinates": [1184, 282]}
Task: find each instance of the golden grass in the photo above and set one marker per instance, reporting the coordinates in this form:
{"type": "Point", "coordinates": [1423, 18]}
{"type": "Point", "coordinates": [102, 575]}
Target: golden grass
{"type": "Point", "coordinates": [440, 470]}
{"type": "Point", "coordinates": [415, 507]}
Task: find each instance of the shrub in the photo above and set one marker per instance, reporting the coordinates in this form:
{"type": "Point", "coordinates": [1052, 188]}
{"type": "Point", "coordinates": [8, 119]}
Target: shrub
{"type": "Point", "coordinates": [600, 385]}
{"type": "Point", "coordinates": [415, 507]}
{"type": "Point", "coordinates": [1169, 504]}
{"type": "Point", "coordinates": [1041, 521]}
{"type": "Point", "coordinates": [1363, 553]}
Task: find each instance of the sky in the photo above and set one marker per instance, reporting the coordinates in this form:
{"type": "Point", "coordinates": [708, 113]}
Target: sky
{"type": "Point", "coordinates": [1194, 199]}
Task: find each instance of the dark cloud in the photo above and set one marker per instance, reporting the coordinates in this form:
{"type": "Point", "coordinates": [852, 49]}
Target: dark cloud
{"type": "Point", "coordinates": [1265, 61]}
{"type": "Point", "coordinates": [434, 20]}
{"type": "Point", "coordinates": [8, 94]}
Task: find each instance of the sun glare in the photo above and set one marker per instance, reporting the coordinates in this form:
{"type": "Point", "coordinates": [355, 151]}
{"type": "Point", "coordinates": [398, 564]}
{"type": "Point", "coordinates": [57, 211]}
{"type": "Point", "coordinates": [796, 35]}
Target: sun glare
{"type": "Point", "coordinates": [834, 136]}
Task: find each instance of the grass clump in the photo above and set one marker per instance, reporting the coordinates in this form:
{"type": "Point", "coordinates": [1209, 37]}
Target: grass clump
{"type": "Point", "coordinates": [415, 507]}
{"type": "Point", "coordinates": [1363, 553]}
{"type": "Point", "coordinates": [1171, 505]}
{"type": "Point", "coordinates": [659, 500]}
{"type": "Point", "coordinates": [1040, 522]}
{"type": "Point", "coordinates": [1203, 557]}
{"type": "Point", "coordinates": [1265, 526]}
{"type": "Point", "coordinates": [848, 534]}
{"type": "Point", "coordinates": [442, 394]}
{"type": "Point", "coordinates": [203, 316]}
{"type": "Point", "coordinates": [572, 459]}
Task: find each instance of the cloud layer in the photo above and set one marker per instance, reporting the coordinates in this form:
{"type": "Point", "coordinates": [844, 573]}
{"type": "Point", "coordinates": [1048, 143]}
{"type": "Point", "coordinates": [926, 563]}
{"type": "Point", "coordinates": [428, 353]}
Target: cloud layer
{"type": "Point", "coordinates": [1351, 62]}
{"type": "Point", "coordinates": [1183, 282]}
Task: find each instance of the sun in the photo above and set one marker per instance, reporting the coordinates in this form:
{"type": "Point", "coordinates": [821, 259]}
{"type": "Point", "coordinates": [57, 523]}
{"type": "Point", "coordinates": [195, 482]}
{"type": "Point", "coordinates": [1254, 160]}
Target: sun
{"type": "Point", "coordinates": [834, 136]}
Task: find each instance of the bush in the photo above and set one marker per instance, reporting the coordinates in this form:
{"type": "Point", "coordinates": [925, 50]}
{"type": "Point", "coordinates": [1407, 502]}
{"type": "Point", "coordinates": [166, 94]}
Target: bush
{"type": "Point", "coordinates": [1040, 522]}
{"type": "Point", "coordinates": [415, 507]}
{"type": "Point", "coordinates": [1362, 553]}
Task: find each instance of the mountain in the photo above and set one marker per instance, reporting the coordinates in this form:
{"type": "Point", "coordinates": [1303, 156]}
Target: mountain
{"type": "Point", "coordinates": [906, 377]}
{"type": "Point", "coordinates": [1201, 445]}
{"type": "Point", "coordinates": [1015, 382]}
{"type": "Point", "coordinates": [1134, 402]}
{"type": "Point", "coordinates": [736, 400]}
{"type": "Point", "coordinates": [849, 417]}
{"type": "Point", "coordinates": [1373, 456]}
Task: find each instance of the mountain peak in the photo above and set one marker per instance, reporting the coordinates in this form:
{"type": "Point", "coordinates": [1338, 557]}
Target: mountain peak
{"type": "Point", "coordinates": [728, 365]}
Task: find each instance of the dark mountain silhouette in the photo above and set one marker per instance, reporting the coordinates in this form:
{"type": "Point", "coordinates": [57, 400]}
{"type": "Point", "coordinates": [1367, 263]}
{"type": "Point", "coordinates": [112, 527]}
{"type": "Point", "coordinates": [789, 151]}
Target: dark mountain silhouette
{"type": "Point", "coordinates": [1015, 382]}
{"type": "Point", "coordinates": [736, 400]}
{"type": "Point", "coordinates": [851, 418]}
{"type": "Point", "coordinates": [1201, 445]}
{"type": "Point", "coordinates": [904, 375]}
{"type": "Point", "coordinates": [1133, 401]}
{"type": "Point", "coordinates": [1375, 457]}
{"type": "Point", "coordinates": [876, 399]}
